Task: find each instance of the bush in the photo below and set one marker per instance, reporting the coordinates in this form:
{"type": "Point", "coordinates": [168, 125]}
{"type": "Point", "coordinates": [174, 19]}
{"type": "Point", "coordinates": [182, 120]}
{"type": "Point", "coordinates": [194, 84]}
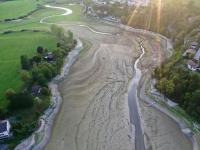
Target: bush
{"type": "Point", "coordinates": [36, 30]}
{"type": "Point", "coordinates": [11, 146]}
{"type": "Point", "coordinates": [7, 19]}
{"type": "Point", "coordinates": [7, 32]}
{"type": "Point", "coordinates": [45, 91]}
{"type": "Point", "coordinates": [21, 17]}
{"type": "Point", "coordinates": [37, 113]}
{"type": "Point", "coordinates": [23, 30]}
{"type": "Point", "coordinates": [19, 117]}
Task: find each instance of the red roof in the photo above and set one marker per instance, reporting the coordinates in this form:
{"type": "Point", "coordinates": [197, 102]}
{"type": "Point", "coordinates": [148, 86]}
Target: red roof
{"type": "Point", "coordinates": [193, 64]}
{"type": "Point", "coordinates": [194, 43]}
{"type": "Point", "coordinates": [190, 51]}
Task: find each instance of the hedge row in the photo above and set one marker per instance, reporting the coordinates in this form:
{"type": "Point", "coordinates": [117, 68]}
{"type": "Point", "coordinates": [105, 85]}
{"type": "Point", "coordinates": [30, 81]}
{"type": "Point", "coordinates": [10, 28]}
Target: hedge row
{"type": "Point", "coordinates": [39, 7]}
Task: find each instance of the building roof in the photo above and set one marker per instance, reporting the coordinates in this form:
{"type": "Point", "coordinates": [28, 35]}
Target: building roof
{"type": "Point", "coordinates": [190, 51]}
{"type": "Point", "coordinates": [3, 126]}
{"type": "Point", "coordinates": [36, 89]}
{"type": "Point", "coordinates": [192, 64]}
{"type": "Point", "coordinates": [194, 43]}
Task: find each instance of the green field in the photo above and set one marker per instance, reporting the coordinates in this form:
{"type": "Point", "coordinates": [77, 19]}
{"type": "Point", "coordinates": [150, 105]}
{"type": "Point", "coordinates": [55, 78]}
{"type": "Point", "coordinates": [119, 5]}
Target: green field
{"type": "Point", "coordinates": [17, 8]}
{"type": "Point", "coordinates": [12, 47]}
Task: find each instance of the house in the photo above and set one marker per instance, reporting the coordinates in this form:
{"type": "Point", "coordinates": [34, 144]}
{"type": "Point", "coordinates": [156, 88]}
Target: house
{"type": "Point", "coordinates": [192, 65]}
{"type": "Point", "coordinates": [49, 57]}
{"type": "Point", "coordinates": [102, 3]}
{"type": "Point", "coordinates": [194, 44]}
{"type": "Point", "coordinates": [111, 2]}
{"type": "Point", "coordinates": [189, 51]}
{"type": "Point", "coordinates": [5, 129]}
{"type": "Point", "coordinates": [36, 90]}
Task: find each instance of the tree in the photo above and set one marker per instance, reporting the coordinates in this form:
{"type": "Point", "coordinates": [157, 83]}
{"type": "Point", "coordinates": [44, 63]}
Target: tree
{"type": "Point", "coordinates": [57, 30]}
{"type": "Point", "coordinates": [162, 85]}
{"type": "Point", "coordinates": [123, 20]}
{"type": "Point", "coordinates": [25, 76]}
{"type": "Point", "coordinates": [45, 91]}
{"type": "Point", "coordinates": [21, 100]}
{"type": "Point", "coordinates": [42, 80]}
{"type": "Point", "coordinates": [58, 44]}
{"type": "Point", "coordinates": [9, 94]}
{"type": "Point", "coordinates": [25, 62]}
{"type": "Point", "coordinates": [37, 59]}
{"type": "Point", "coordinates": [2, 113]}
{"type": "Point", "coordinates": [70, 34]}
{"type": "Point", "coordinates": [40, 49]}
{"type": "Point", "coordinates": [170, 88]}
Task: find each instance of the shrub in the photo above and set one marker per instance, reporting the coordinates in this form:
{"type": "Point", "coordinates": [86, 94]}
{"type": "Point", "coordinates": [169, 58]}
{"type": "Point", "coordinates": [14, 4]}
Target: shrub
{"type": "Point", "coordinates": [7, 32]}
{"type": "Point", "coordinates": [19, 117]}
{"type": "Point", "coordinates": [7, 19]}
{"type": "Point", "coordinates": [23, 30]}
{"type": "Point", "coordinates": [45, 91]}
{"type": "Point", "coordinates": [36, 31]}
{"type": "Point", "coordinates": [40, 49]}
{"type": "Point", "coordinates": [37, 113]}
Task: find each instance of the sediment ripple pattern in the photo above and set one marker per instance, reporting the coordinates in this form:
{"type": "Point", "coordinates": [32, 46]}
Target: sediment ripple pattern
{"type": "Point", "coordinates": [95, 112]}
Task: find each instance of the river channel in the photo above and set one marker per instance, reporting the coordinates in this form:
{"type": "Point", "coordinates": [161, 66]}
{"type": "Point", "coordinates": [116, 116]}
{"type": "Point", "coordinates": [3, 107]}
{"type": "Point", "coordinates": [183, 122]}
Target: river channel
{"type": "Point", "coordinates": [133, 108]}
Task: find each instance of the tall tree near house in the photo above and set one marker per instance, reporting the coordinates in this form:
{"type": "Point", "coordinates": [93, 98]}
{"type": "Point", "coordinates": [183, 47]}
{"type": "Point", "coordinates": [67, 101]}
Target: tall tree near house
{"type": "Point", "coordinates": [2, 113]}
{"type": "Point", "coordinates": [70, 34]}
{"type": "Point", "coordinates": [40, 49]}
{"type": "Point", "coordinates": [21, 100]}
{"type": "Point", "coordinates": [37, 59]}
{"type": "Point", "coordinates": [25, 76]}
{"type": "Point", "coordinates": [25, 62]}
{"type": "Point", "coordinates": [9, 93]}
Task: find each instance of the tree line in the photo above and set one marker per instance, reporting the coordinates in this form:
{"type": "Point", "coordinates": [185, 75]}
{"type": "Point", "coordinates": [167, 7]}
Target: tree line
{"type": "Point", "coordinates": [36, 71]}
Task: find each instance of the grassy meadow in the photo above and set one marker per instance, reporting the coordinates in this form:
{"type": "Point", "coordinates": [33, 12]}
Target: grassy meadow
{"type": "Point", "coordinates": [17, 8]}
{"type": "Point", "coordinates": [12, 47]}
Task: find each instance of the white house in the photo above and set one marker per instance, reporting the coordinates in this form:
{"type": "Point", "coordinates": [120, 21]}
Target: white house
{"type": "Point", "coordinates": [4, 129]}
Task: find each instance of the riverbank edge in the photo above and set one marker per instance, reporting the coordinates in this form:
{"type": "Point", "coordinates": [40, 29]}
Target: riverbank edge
{"type": "Point", "coordinates": [47, 119]}
{"type": "Point", "coordinates": [144, 97]}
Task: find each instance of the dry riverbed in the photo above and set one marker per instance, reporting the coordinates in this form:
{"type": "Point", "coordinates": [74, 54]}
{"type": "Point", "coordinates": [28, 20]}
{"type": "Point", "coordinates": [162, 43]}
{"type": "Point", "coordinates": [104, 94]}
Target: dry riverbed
{"type": "Point", "coordinates": [94, 113]}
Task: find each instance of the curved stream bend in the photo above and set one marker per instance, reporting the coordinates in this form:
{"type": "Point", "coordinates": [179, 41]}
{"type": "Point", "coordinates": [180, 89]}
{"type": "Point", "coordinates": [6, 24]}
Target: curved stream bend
{"type": "Point", "coordinates": [133, 109]}
{"type": "Point", "coordinates": [68, 11]}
